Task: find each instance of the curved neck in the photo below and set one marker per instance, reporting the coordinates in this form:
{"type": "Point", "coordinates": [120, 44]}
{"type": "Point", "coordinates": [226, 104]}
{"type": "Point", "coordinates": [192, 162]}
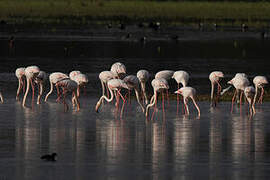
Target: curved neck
{"type": "Point", "coordinates": [26, 92]}
{"type": "Point", "coordinates": [255, 96]}
{"type": "Point", "coordinates": [51, 90]}
{"type": "Point", "coordinates": [138, 98]}
{"type": "Point", "coordinates": [152, 104]}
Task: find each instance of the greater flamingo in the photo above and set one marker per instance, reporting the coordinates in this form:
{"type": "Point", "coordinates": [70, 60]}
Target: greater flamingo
{"type": "Point", "coordinates": [143, 76]}
{"type": "Point", "coordinates": [69, 85]}
{"type": "Point", "coordinates": [180, 77]}
{"type": "Point", "coordinates": [215, 77]}
{"type": "Point", "coordinates": [1, 98]}
{"type": "Point", "coordinates": [259, 82]}
{"type": "Point", "coordinates": [113, 84]}
{"type": "Point", "coordinates": [134, 83]}
{"type": "Point", "coordinates": [240, 82]}
{"type": "Point", "coordinates": [54, 78]}
{"type": "Point", "coordinates": [119, 69]}
{"type": "Point", "coordinates": [165, 74]}
{"type": "Point", "coordinates": [104, 77]}
{"type": "Point", "coordinates": [72, 74]}
{"type": "Point", "coordinates": [81, 80]}
{"type": "Point", "coordinates": [249, 93]}
{"type": "Point", "coordinates": [31, 72]}
{"type": "Point", "coordinates": [158, 85]}
{"type": "Point", "coordinates": [188, 92]}
{"type": "Point", "coordinates": [40, 80]}
{"type": "Point", "coordinates": [20, 74]}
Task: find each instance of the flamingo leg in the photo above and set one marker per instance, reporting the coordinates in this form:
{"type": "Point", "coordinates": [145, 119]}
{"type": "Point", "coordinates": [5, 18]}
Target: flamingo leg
{"type": "Point", "coordinates": [152, 117]}
{"type": "Point", "coordinates": [167, 91]}
{"type": "Point", "coordinates": [163, 109]}
{"type": "Point", "coordinates": [177, 97]}
{"type": "Point", "coordinates": [19, 89]}
{"type": "Point", "coordinates": [261, 97]}
{"type": "Point", "coordinates": [233, 98]}
{"type": "Point", "coordinates": [58, 93]}
{"type": "Point", "coordinates": [33, 89]}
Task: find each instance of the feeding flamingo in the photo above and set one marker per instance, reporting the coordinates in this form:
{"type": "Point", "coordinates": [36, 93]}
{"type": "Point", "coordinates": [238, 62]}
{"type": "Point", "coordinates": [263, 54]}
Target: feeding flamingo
{"type": "Point", "coordinates": [40, 80]}
{"type": "Point", "coordinates": [113, 84]}
{"type": "Point", "coordinates": [158, 85]}
{"type": "Point", "coordinates": [119, 69]}
{"type": "Point", "coordinates": [180, 77]}
{"type": "Point", "coordinates": [20, 74]}
{"type": "Point", "coordinates": [134, 83]}
{"type": "Point", "coordinates": [240, 82]}
{"type": "Point", "coordinates": [54, 78]}
{"type": "Point", "coordinates": [165, 74]}
{"type": "Point", "coordinates": [188, 92]}
{"type": "Point", "coordinates": [215, 77]}
{"type": "Point", "coordinates": [143, 76]}
{"type": "Point", "coordinates": [259, 82]}
{"type": "Point", "coordinates": [250, 93]}
{"type": "Point", "coordinates": [69, 85]}
{"type": "Point", "coordinates": [31, 72]}
{"type": "Point", "coordinates": [104, 77]}
{"type": "Point", "coordinates": [72, 74]}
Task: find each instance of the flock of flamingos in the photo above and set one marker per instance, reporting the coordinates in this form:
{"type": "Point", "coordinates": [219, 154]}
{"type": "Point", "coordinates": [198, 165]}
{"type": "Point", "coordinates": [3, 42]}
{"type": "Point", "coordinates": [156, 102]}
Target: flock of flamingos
{"type": "Point", "coordinates": [116, 79]}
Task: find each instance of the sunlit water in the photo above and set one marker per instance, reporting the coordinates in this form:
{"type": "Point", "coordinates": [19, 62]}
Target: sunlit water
{"type": "Point", "coordinates": [108, 145]}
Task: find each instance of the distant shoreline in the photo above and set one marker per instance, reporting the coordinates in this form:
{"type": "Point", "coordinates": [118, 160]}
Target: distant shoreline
{"type": "Point", "coordinates": [75, 12]}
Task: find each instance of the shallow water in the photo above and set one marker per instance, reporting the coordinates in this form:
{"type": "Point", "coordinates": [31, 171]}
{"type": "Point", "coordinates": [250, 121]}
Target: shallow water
{"type": "Point", "coordinates": [218, 145]}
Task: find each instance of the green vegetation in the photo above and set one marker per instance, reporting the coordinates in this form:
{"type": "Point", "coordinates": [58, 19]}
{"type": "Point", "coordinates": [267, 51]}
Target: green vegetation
{"type": "Point", "coordinates": [86, 12]}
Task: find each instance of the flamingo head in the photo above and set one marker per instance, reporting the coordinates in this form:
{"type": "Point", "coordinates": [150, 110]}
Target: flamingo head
{"type": "Point", "coordinates": [178, 91]}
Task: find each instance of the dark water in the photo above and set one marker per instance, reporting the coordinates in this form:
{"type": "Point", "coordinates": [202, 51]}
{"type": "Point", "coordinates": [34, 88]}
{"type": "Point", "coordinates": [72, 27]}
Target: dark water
{"type": "Point", "coordinates": [218, 145]}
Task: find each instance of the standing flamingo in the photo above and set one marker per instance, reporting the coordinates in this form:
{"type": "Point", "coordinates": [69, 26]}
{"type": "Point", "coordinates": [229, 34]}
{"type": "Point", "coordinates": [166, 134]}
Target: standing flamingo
{"type": "Point", "coordinates": [143, 76]}
{"type": "Point", "coordinates": [134, 83]}
{"type": "Point", "coordinates": [215, 77]}
{"type": "Point", "coordinates": [158, 85]}
{"type": "Point", "coordinates": [81, 80]}
{"type": "Point", "coordinates": [165, 74]}
{"type": "Point", "coordinates": [119, 69]}
{"type": "Point", "coordinates": [54, 78]}
{"type": "Point", "coordinates": [69, 85]}
{"type": "Point", "coordinates": [249, 93]}
{"type": "Point", "coordinates": [259, 82]}
{"type": "Point", "coordinates": [180, 77]}
{"type": "Point", "coordinates": [240, 82]}
{"type": "Point", "coordinates": [40, 80]}
{"type": "Point", "coordinates": [113, 84]}
{"type": "Point", "coordinates": [31, 72]}
{"type": "Point", "coordinates": [188, 92]}
{"type": "Point", "coordinates": [20, 74]}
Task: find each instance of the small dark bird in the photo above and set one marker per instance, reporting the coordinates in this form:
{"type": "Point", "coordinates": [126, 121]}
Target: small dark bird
{"type": "Point", "coordinates": [174, 37]}
{"type": "Point", "coordinates": [143, 39]}
{"type": "Point", "coordinates": [140, 25]}
{"type": "Point", "coordinates": [244, 27]}
{"type": "Point", "coordinates": [122, 26]}
{"type": "Point", "coordinates": [128, 36]}
{"type": "Point", "coordinates": [3, 22]}
{"type": "Point", "coordinates": [109, 26]}
{"type": "Point", "coordinates": [48, 157]}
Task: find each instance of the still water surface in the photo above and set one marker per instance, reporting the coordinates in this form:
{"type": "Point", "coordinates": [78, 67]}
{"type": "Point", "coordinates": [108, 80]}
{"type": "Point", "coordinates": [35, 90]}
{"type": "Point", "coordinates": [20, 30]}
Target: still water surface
{"type": "Point", "coordinates": [218, 145]}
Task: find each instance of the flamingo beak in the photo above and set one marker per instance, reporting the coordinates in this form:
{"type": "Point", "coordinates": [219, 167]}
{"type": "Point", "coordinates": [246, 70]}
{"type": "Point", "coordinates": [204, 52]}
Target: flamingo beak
{"type": "Point", "coordinates": [177, 92]}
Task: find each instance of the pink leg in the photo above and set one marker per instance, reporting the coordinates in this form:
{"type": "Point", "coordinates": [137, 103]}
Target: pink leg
{"type": "Point", "coordinates": [177, 97]}
{"type": "Point", "coordinates": [163, 109]}
{"type": "Point", "coordinates": [261, 97]}
{"type": "Point", "coordinates": [152, 117]}
{"type": "Point", "coordinates": [233, 100]}
{"type": "Point", "coordinates": [167, 91]}
{"type": "Point", "coordinates": [129, 101]}
{"type": "Point", "coordinates": [58, 93]}
{"type": "Point", "coordinates": [33, 89]}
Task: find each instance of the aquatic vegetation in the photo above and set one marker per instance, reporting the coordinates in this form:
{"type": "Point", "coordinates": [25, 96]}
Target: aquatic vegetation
{"type": "Point", "coordinates": [81, 12]}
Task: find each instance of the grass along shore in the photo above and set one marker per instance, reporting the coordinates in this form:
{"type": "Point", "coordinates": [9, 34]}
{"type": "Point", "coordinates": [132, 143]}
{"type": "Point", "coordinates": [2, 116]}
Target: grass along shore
{"type": "Point", "coordinates": [87, 12]}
